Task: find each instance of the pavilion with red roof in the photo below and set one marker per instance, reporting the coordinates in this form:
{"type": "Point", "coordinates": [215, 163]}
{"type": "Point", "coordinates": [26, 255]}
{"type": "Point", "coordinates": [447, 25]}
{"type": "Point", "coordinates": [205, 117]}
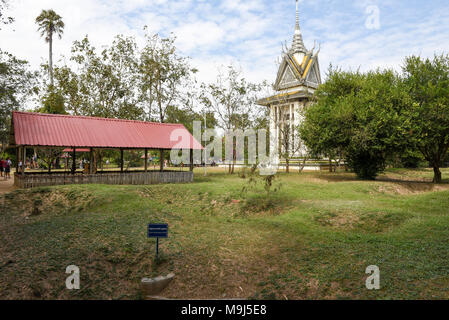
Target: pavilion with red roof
{"type": "Point", "coordinates": [81, 134]}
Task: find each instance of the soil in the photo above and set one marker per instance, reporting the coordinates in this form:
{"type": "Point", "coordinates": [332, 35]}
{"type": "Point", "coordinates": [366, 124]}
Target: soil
{"type": "Point", "coordinates": [6, 185]}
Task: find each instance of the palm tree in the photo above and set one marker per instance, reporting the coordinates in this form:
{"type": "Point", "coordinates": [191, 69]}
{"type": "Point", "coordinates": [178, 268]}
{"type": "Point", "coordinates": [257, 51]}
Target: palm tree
{"type": "Point", "coordinates": [50, 23]}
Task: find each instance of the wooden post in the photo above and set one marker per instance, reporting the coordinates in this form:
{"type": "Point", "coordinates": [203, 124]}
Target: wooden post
{"type": "Point", "coordinates": [91, 160]}
{"type": "Point", "coordinates": [161, 159]}
{"type": "Point", "coordinates": [74, 161]}
{"type": "Point", "coordinates": [191, 159]}
{"type": "Point", "coordinates": [24, 157]}
{"type": "Point", "coordinates": [121, 160]}
{"type": "Point", "coordinates": [146, 160]}
{"type": "Point", "coordinates": [17, 158]}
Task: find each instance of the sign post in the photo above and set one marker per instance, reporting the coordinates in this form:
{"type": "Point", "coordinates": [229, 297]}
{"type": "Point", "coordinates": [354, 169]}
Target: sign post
{"type": "Point", "coordinates": [158, 230]}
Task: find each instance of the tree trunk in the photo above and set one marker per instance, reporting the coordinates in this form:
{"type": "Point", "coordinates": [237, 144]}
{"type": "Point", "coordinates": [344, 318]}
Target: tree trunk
{"type": "Point", "coordinates": [437, 175]}
{"type": "Point", "coordinates": [301, 167]}
{"type": "Point", "coordinates": [330, 165]}
{"type": "Point", "coordinates": [50, 58]}
{"type": "Point", "coordinates": [287, 165]}
{"type": "Point", "coordinates": [234, 156]}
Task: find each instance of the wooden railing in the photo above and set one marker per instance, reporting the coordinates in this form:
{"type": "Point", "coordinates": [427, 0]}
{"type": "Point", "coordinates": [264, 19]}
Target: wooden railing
{"type": "Point", "coordinates": [30, 180]}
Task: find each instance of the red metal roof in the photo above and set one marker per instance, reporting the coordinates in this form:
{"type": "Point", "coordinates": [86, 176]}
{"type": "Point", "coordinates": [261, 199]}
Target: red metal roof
{"type": "Point", "coordinates": [38, 129]}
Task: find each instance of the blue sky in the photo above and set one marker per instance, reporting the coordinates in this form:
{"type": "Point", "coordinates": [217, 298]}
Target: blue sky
{"type": "Point", "coordinates": [247, 33]}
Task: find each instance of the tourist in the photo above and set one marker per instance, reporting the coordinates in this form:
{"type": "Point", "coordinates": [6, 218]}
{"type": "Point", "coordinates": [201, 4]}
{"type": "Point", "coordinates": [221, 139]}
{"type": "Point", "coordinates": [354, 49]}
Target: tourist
{"type": "Point", "coordinates": [7, 169]}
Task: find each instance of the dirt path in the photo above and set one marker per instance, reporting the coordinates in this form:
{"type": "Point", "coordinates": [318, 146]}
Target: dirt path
{"type": "Point", "coordinates": [6, 185]}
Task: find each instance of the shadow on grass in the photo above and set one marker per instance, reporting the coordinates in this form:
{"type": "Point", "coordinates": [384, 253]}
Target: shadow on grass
{"type": "Point", "coordinates": [406, 181]}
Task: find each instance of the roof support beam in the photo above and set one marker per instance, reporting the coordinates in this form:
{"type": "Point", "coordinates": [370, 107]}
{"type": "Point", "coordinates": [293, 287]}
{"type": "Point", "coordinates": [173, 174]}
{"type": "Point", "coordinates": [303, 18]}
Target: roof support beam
{"type": "Point", "coordinates": [91, 161]}
{"type": "Point", "coordinates": [146, 160]}
{"type": "Point", "coordinates": [121, 160]}
{"type": "Point", "coordinates": [74, 161]}
{"type": "Point", "coordinates": [17, 159]}
{"type": "Point", "coordinates": [24, 153]}
{"type": "Point", "coordinates": [161, 160]}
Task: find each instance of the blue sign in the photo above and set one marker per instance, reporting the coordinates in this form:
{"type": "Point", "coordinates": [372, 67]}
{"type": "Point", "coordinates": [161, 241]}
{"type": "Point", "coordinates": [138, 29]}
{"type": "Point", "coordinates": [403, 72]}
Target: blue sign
{"type": "Point", "coordinates": [159, 230]}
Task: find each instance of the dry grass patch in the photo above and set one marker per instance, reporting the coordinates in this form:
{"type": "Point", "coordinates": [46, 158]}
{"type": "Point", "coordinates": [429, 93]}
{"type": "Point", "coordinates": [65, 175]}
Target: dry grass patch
{"type": "Point", "coordinates": [405, 188]}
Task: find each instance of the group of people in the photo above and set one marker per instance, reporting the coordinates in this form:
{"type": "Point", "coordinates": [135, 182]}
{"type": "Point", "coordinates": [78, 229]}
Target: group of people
{"type": "Point", "coordinates": [5, 168]}
{"type": "Point", "coordinates": [30, 163]}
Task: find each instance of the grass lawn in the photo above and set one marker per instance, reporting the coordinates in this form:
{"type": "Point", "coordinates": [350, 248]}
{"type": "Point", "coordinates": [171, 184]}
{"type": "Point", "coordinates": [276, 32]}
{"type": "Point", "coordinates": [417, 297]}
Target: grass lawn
{"type": "Point", "coordinates": [313, 239]}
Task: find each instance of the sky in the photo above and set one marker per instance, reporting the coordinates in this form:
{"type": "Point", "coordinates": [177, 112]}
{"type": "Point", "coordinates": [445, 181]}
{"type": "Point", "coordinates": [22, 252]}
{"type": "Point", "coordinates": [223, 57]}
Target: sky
{"type": "Point", "coordinates": [365, 34]}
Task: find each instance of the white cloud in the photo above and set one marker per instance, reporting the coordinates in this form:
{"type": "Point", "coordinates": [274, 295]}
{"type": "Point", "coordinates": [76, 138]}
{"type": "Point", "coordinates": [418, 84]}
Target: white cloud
{"type": "Point", "coordinates": [246, 32]}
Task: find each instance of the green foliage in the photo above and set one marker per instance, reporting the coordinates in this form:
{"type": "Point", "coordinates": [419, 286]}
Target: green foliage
{"type": "Point", "coordinates": [187, 116]}
{"type": "Point", "coordinates": [411, 158]}
{"type": "Point", "coordinates": [358, 116]}
{"type": "Point", "coordinates": [17, 85]}
{"type": "Point", "coordinates": [125, 81]}
{"type": "Point", "coordinates": [49, 23]}
{"type": "Point", "coordinates": [164, 77]}
{"type": "Point", "coordinates": [53, 103]}
{"type": "Point", "coordinates": [3, 19]}
{"type": "Point", "coordinates": [103, 84]}
{"type": "Point", "coordinates": [427, 82]}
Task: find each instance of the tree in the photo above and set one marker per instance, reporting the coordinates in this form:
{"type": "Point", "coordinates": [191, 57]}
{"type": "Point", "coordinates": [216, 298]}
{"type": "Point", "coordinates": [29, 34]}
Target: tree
{"type": "Point", "coordinates": [162, 76]}
{"type": "Point", "coordinates": [428, 84]}
{"type": "Point", "coordinates": [49, 156]}
{"type": "Point", "coordinates": [4, 20]}
{"type": "Point", "coordinates": [123, 80]}
{"type": "Point", "coordinates": [103, 84]}
{"type": "Point", "coordinates": [232, 99]}
{"type": "Point", "coordinates": [17, 84]}
{"type": "Point", "coordinates": [360, 116]}
{"type": "Point", "coordinates": [68, 87]}
{"type": "Point", "coordinates": [53, 103]}
{"type": "Point", "coordinates": [327, 126]}
{"type": "Point", "coordinates": [187, 116]}
{"type": "Point", "coordinates": [49, 24]}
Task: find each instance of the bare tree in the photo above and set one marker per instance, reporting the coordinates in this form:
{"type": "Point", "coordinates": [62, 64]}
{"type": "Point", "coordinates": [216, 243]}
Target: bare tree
{"type": "Point", "coordinates": [49, 156]}
{"type": "Point", "coordinates": [232, 99]}
{"type": "Point", "coordinates": [163, 74]}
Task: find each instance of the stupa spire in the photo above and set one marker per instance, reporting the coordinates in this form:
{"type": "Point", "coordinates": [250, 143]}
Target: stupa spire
{"type": "Point", "coordinates": [298, 43]}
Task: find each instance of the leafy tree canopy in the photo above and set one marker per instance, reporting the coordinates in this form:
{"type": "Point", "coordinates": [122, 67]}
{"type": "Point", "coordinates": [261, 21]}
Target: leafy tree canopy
{"type": "Point", "coordinates": [427, 82]}
{"type": "Point", "coordinates": [17, 84]}
{"type": "Point", "coordinates": [359, 116]}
